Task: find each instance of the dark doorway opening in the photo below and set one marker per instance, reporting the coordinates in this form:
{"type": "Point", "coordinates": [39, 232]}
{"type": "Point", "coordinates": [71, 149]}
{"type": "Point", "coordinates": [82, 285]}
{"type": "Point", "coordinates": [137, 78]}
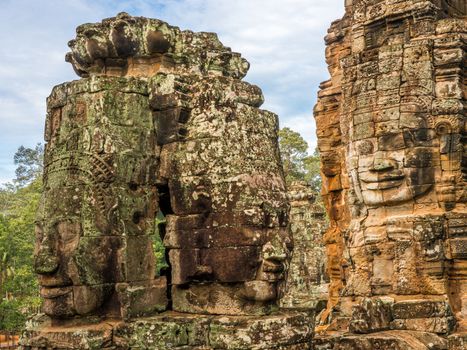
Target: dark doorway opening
{"type": "Point", "coordinates": [162, 254]}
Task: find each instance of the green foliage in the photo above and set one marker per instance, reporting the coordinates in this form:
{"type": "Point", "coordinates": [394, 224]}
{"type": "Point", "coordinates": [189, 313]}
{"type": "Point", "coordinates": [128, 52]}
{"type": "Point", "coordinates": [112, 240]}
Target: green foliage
{"type": "Point", "coordinates": [298, 165]}
{"type": "Point", "coordinates": [158, 246]}
{"type": "Point", "coordinates": [19, 292]}
{"type": "Point", "coordinates": [29, 164]}
{"type": "Point", "coordinates": [312, 170]}
{"type": "Point", "coordinates": [11, 317]}
{"type": "Point", "coordinates": [293, 150]}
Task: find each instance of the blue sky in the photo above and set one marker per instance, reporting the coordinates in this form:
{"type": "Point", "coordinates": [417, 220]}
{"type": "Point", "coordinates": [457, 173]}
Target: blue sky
{"type": "Point", "coordinates": [282, 40]}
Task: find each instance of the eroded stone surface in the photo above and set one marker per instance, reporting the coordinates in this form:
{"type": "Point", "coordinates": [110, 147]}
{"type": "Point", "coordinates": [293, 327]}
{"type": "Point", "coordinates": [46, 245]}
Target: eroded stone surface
{"type": "Point", "coordinates": [307, 280]}
{"type": "Point", "coordinates": [137, 46]}
{"type": "Point", "coordinates": [173, 330]}
{"type": "Point", "coordinates": [161, 123]}
{"type": "Point", "coordinates": [391, 134]}
{"type": "Point", "coordinates": [227, 233]}
{"type": "Point", "coordinates": [394, 340]}
{"type": "Point", "coordinates": [120, 148]}
{"type": "Point", "coordinates": [97, 213]}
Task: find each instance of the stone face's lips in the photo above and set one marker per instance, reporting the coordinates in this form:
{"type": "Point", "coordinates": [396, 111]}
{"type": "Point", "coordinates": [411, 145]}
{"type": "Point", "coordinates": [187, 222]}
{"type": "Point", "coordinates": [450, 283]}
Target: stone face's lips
{"type": "Point", "coordinates": [382, 181]}
{"type": "Point", "coordinates": [270, 266]}
{"type": "Point", "coordinates": [54, 292]}
{"type": "Point", "coordinates": [54, 281]}
{"type": "Point", "coordinates": [273, 271]}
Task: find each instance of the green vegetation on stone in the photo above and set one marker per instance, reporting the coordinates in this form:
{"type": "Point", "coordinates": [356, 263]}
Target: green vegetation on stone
{"type": "Point", "coordinates": [157, 245]}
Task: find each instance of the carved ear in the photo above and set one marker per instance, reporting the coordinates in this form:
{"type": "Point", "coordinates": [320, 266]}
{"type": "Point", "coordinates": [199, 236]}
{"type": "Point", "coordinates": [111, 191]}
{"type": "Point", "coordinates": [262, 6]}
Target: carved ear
{"type": "Point", "coordinates": [450, 149]}
{"type": "Point", "coordinates": [156, 42]}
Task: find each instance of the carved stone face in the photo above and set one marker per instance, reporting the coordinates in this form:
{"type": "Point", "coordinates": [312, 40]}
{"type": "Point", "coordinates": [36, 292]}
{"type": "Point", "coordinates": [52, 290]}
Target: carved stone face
{"type": "Point", "coordinates": [99, 201]}
{"type": "Point", "coordinates": [393, 153]}
{"type": "Point", "coordinates": [393, 168]}
{"type": "Point", "coordinates": [74, 259]}
{"type": "Point", "coordinates": [227, 236]}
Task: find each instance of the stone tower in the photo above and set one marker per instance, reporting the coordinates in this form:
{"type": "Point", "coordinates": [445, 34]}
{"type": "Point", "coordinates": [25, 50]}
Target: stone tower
{"type": "Point", "coordinates": [161, 123]}
{"type": "Point", "coordinates": [392, 134]}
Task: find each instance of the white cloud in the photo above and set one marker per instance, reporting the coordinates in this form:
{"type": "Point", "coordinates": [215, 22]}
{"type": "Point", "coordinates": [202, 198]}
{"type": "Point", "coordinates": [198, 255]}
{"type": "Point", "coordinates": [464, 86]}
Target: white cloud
{"type": "Point", "coordinates": [283, 41]}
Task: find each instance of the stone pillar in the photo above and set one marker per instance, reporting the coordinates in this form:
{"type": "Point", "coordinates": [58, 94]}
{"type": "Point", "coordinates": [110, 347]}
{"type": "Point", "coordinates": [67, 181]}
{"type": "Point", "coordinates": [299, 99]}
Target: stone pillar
{"type": "Point", "coordinates": [398, 94]}
{"type": "Point", "coordinates": [307, 280]}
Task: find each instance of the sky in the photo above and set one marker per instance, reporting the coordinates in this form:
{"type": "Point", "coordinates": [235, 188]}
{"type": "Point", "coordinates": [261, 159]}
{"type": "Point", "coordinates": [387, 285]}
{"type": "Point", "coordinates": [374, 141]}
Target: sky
{"type": "Point", "coordinates": [282, 40]}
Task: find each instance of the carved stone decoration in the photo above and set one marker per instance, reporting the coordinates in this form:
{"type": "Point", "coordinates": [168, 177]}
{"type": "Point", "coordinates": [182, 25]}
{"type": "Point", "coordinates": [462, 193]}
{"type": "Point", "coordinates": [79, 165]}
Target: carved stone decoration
{"type": "Point", "coordinates": [227, 235]}
{"type": "Point", "coordinates": [97, 212]}
{"type": "Point", "coordinates": [307, 279]}
{"type": "Point", "coordinates": [161, 123]}
{"type": "Point", "coordinates": [392, 135]}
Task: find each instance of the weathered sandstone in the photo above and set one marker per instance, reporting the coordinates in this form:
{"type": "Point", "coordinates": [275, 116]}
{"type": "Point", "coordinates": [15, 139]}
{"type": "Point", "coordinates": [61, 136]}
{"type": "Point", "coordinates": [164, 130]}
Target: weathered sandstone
{"type": "Point", "coordinates": [161, 124]}
{"type": "Point", "coordinates": [392, 136]}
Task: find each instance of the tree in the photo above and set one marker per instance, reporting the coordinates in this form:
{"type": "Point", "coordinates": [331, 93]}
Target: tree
{"type": "Point", "coordinates": [18, 204]}
{"type": "Point", "coordinates": [312, 170]}
{"type": "Point", "coordinates": [298, 165]}
{"type": "Point", "coordinates": [6, 271]}
{"type": "Point", "coordinates": [293, 150]}
{"type": "Point", "coordinates": [29, 164]}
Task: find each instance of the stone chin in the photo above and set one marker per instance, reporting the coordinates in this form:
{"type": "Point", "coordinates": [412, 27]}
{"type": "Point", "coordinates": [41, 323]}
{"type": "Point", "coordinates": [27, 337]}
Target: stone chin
{"type": "Point", "coordinates": [266, 287]}
{"type": "Point", "coordinates": [66, 302]}
{"type": "Point", "coordinates": [393, 196]}
{"type": "Point", "coordinates": [262, 291]}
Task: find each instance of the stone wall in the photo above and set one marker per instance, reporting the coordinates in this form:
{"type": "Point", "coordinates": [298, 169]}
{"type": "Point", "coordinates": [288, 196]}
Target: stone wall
{"type": "Point", "coordinates": [391, 133]}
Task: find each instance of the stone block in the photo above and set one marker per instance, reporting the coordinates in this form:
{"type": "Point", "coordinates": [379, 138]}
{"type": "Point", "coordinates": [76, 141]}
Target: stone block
{"type": "Point", "coordinates": [219, 237]}
{"type": "Point", "coordinates": [217, 299]}
{"type": "Point", "coordinates": [438, 325]}
{"type": "Point", "coordinates": [70, 336]}
{"type": "Point", "coordinates": [291, 331]}
{"type": "Point", "coordinates": [282, 330]}
{"type": "Point", "coordinates": [397, 340]}
{"type": "Point", "coordinates": [447, 56]}
{"type": "Point", "coordinates": [219, 264]}
{"type": "Point", "coordinates": [457, 248]}
{"type": "Point", "coordinates": [458, 341]}
{"type": "Point", "coordinates": [371, 315]}
{"type": "Point", "coordinates": [140, 299]}
{"type": "Point", "coordinates": [168, 331]}
{"type": "Point", "coordinates": [138, 259]}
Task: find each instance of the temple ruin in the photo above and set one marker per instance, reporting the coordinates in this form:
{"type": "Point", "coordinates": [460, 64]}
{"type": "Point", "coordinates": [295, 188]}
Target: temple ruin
{"type": "Point", "coordinates": [392, 136]}
{"type": "Point", "coordinates": [307, 279]}
{"type": "Point", "coordinates": [161, 125]}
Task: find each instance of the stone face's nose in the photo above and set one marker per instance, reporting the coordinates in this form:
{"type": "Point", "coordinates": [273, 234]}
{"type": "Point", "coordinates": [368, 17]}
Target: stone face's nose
{"type": "Point", "coordinates": [45, 260]}
{"type": "Point", "coordinates": [382, 163]}
{"type": "Point", "coordinates": [276, 251]}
